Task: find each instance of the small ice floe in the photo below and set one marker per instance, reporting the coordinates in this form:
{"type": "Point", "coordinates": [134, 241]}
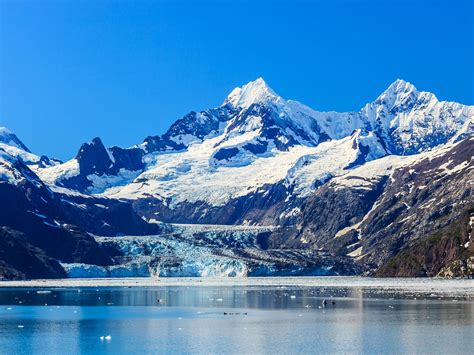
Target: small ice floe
{"type": "Point", "coordinates": [21, 326]}
{"type": "Point", "coordinates": [43, 291]}
{"type": "Point", "coordinates": [105, 337]}
{"type": "Point", "coordinates": [180, 317]}
{"type": "Point", "coordinates": [9, 309]}
{"type": "Point", "coordinates": [293, 297]}
{"type": "Point", "coordinates": [219, 299]}
{"type": "Point", "coordinates": [180, 328]}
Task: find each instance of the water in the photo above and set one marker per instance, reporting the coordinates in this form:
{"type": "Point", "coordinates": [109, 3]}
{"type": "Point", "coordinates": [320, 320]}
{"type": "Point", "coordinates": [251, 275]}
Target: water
{"type": "Point", "coordinates": [238, 319]}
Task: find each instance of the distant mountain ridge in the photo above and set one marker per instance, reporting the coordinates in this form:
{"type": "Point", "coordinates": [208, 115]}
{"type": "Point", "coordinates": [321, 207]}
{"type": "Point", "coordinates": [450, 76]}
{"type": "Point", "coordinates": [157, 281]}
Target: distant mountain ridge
{"type": "Point", "coordinates": [255, 122]}
{"type": "Point", "coordinates": [259, 159]}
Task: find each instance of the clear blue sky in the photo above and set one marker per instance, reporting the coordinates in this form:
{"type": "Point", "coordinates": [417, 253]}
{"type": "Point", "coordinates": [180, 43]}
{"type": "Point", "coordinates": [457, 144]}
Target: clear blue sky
{"type": "Point", "coordinates": [73, 70]}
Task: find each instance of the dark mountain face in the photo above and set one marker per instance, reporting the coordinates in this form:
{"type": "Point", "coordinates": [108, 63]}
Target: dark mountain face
{"type": "Point", "coordinates": [41, 227]}
{"type": "Point", "coordinates": [331, 210]}
{"type": "Point", "coordinates": [19, 259]}
{"type": "Point", "coordinates": [96, 160]}
{"type": "Point", "coordinates": [447, 252]}
{"type": "Point", "coordinates": [30, 215]}
{"type": "Point", "coordinates": [264, 206]}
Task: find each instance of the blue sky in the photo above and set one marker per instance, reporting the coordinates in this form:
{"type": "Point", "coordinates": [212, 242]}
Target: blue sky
{"type": "Point", "coordinates": [73, 70]}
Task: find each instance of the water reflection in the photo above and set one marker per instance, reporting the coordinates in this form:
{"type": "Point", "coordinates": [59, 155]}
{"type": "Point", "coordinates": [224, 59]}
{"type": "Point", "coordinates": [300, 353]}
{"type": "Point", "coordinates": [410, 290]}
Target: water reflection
{"type": "Point", "coordinates": [232, 320]}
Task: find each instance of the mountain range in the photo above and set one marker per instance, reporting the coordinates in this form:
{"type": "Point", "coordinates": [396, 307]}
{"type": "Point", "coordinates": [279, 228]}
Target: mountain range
{"type": "Point", "coordinates": [257, 186]}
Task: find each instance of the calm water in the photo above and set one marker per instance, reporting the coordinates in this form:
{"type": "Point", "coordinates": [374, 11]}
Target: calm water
{"type": "Point", "coordinates": [258, 320]}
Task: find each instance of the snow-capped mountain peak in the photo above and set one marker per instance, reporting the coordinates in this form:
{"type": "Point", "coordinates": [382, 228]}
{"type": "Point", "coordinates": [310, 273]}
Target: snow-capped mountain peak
{"type": "Point", "coordinates": [399, 93]}
{"type": "Point", "coordinates": [401, 86]}
{"type": "Point", "coordinates": [8, 137]}
{"type": "Point", "coordinates": [411, 121]}
{"type": "Point", "coordinates": [14, 147]}
{"type": "Point", "coordinates": [256, 91]}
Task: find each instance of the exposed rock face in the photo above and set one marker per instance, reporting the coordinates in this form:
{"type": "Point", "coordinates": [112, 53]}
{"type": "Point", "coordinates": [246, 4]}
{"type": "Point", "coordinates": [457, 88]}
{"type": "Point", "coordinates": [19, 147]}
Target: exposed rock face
{"type": "Point", "coordinates": [421, 199]}
{"type": "Point", "coordinates": [21, 260]}
{"type": "Point", "coordinates": [447, 253]}
{"type": "Point", "coordinates": [94, 160]}
{"type": "Point", "coordinates": [332, 210]}
{"type": "Point", "coordinates": [459, 268]}
{"type": "Point", "coordinates": [263, 206]}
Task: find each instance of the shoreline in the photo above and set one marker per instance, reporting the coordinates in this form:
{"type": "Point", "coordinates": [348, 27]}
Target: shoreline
{"type": "Point", "coordinates": [435, 285]}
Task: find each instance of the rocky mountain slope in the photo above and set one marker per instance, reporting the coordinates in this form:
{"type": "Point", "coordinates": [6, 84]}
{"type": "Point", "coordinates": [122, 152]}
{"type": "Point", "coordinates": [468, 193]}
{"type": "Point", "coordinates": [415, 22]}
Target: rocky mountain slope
{"type": "Point", "coordinates": [348, 192]}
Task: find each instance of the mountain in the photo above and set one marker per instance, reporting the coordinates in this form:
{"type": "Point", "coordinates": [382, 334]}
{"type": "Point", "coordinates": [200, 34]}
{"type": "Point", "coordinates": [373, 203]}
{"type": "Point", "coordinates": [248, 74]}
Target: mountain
{"type": "Point", "coordinates": [394, 204]}
{"type": "Point", "coordinates": [11, 144]}
{"type": "Point", "coordinates": [262, 141]}
{"type": "Point", "coordinates": [41, 228]}
{"type": "Point", "coordinates": [349, 191]}
{"type": "Point", "coordinates": [32, 239]}
{"type": "Point", "coordinates": [8, 138]}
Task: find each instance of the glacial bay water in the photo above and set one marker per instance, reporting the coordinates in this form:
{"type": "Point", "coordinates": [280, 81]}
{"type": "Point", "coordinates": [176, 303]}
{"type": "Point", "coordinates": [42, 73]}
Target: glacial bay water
{"type": "Point", "coordinates": [226, 319]}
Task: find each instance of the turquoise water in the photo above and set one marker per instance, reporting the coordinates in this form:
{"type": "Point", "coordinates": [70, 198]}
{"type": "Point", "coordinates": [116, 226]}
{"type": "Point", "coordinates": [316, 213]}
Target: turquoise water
{"type": "Point", "coordinates": [232, 320]}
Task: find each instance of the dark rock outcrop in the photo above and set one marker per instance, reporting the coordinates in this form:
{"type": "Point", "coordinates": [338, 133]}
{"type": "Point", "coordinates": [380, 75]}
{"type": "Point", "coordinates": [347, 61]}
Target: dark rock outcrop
{"type": "Point", "coordinates": [446, 252]}
{"type": "Point", "coordinates": [95, 159]}
{"type": "Point", "coordinates": [19, 259]}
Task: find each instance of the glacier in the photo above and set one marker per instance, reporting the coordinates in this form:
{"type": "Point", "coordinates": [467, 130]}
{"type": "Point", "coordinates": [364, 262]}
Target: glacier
{"type": "Point", "coordinates": [198, 251]}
